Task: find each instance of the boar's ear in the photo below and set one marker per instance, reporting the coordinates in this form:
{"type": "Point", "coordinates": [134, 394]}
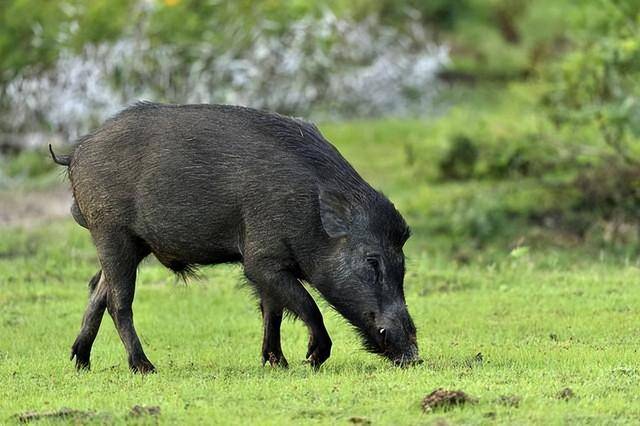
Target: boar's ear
{"type": "Point", "coordinates": [334, 213]}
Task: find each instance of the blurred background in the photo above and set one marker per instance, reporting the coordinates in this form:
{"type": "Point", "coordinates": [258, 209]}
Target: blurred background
{"type": "Point", "coordinates": [492, 124]}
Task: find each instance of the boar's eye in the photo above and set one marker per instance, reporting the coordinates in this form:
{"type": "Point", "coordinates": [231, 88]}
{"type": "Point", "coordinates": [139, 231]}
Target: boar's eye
{"type": "Point", "coordinates": [374, 263]}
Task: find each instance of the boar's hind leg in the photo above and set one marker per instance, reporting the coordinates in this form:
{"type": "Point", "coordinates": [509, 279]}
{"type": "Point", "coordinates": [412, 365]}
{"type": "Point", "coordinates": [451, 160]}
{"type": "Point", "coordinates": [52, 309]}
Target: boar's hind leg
{"type": "Point", "coordinates": [272, 318]}
{"type": "Point", "coordinates": [120, 255]}
{"type": "Point", "coordinates": [285, 288]}
{"type": "Point", "coordinates": [81, 348]}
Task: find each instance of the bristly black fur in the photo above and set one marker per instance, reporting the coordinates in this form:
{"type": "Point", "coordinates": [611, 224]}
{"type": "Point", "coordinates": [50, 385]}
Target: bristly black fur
{"type": "Point", "coordinates": [209, 184]}
{"type": "Point", "coordinates": [369, 345]}
{"type": "Point", "coordinates": [185, 271]}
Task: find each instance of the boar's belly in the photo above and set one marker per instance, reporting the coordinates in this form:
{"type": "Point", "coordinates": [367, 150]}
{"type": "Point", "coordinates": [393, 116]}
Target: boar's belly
{"type": "Point", "coordinates": [179, 237]}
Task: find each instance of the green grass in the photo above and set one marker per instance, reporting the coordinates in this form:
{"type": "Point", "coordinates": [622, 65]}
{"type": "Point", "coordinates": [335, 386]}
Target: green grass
{"type": "Point", "coordinates": [542, 322]}
{"type": "Point", "coordinates": [543, 319]}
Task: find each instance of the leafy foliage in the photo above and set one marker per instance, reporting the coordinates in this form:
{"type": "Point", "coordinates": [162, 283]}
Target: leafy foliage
{"type": "Point", "coordinates": [596, 85]}
{"type": "Point", "coordinates": [538, 134]}
{"type": "Point", "coordinates": [33, 33]}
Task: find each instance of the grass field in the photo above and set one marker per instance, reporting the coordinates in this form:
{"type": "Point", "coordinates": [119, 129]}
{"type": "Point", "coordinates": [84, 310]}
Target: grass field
{"type": "Point", "coordinates": [543, 319]}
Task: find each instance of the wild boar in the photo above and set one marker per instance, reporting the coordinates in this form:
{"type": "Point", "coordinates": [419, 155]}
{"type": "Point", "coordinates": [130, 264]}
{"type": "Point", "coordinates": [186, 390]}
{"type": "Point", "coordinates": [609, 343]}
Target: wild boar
{"type": "Point", "coordinates": [208, 184]}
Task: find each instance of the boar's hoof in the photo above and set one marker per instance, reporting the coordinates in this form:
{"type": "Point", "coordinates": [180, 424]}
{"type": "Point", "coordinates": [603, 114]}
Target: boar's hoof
{"type": "Point", "coordinates": [274, 360]}
{"type": "Point", "coordinates": [81, 355]}
{"type": "Point", "coordinates": [315, 360]}
{"type": "Point", "coordinates": [141, 365]}
{"type": "Point", "coordinates": [319, 351]}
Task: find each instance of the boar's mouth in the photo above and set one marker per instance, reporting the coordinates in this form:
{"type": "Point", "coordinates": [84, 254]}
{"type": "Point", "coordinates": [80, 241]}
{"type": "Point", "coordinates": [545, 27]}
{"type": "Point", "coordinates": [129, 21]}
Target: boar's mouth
{"type": "Point", "coordinates": [379, 344]}
{"type": "Point", "coordinates": [408, 356]}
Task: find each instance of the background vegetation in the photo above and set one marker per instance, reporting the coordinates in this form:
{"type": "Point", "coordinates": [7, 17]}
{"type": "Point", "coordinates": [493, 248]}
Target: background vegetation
{"type": "Point", "coordinates": [530, 109]}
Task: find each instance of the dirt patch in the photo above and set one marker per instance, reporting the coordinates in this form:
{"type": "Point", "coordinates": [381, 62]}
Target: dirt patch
{"type": "Point", "coordinates": [445, 400]}
{"type": "Point", "coordinates": [356, 420]}
{"type": "Point", "coordinates": [566, 394]}
{"type": "Point", "coordinates": [141, 410]}
{"type": "Point", "coordinates": [509, 400]}
{"type": "Point", "coordinates": [475, 361]}
{"type": "Point", "coordinates": [18, 208]}
{"type": "Point", "coordinates": [315, 414]}
{"type": "Point", "coordinates": [63, 413]}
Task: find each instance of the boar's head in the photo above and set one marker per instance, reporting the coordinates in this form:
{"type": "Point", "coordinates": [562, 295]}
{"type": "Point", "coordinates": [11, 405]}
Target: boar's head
{"type": "Point", "coordinates": [363, 272]}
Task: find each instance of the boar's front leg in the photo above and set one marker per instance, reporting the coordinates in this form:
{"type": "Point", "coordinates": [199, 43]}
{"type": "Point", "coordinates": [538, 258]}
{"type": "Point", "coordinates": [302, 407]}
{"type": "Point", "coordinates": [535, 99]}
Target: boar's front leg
{"type": "Point", "coordinates": [284, 287]}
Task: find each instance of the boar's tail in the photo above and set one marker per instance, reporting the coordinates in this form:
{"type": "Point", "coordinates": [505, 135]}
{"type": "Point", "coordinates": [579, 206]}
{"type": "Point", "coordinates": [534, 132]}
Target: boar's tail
{"type": "Point", "coordinates": [63, 160]}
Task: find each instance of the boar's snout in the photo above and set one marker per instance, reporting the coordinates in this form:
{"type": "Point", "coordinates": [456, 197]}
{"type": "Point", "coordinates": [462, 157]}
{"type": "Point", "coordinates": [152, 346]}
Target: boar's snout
{"type": "Point", "coordinates": [401, 350]}
{"type": "Point", "coordinates": [409, 358]}
{"type": "Point", "coordinates": [398, 339]}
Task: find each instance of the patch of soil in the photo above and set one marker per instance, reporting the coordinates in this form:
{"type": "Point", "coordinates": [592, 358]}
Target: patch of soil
{"type": "Point", "coordinates": [359, 420]}
{"type": "Point", "coordinates": [141, 410]}
{"type": "Point", "coordinates": [475, 361]}
{"type": "Point", "coordinates": [509, 400]}
{"type": "Point", "coordinates": [445, 400]}
{"type": "Point", "coordinates": [27, 209]}
{"type": "Point", "coordinates": [315, 414]}
{"type": "Point", "coordinates": [63, 413]}
{"type": "Point", "coordinates": [566, 394]}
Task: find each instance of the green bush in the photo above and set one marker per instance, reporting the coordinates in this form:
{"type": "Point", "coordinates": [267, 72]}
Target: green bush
{"type": "Point", "coordinates": [596, 84]}
{"type": "Point", "coordinates": [460, 160]}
